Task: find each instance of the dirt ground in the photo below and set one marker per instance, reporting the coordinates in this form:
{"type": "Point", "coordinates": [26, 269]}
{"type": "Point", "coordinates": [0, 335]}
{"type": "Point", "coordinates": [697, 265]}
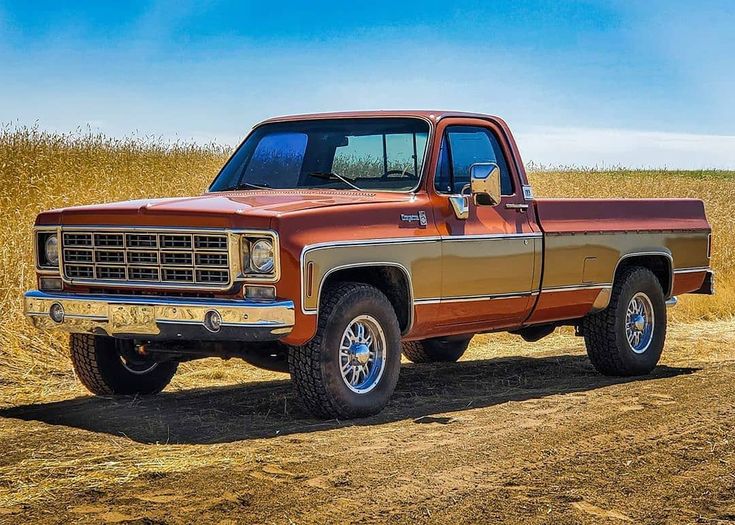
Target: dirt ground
{"type": "Point", "coordinates": [514, 433]}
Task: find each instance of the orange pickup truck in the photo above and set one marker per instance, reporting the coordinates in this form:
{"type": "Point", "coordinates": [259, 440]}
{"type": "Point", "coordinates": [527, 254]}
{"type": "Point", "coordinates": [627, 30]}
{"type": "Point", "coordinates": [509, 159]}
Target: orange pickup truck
{"type": "Point", "coordinates": [330, 244]}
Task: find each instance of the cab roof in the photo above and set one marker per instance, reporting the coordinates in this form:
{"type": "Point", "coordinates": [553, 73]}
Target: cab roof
{"type": "Point", "coordinates": [432, 115]}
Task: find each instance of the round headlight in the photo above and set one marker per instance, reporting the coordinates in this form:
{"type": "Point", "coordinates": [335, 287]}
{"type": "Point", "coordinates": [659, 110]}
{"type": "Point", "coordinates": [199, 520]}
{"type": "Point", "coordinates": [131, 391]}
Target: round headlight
{"type": "Point", "coordinates": [261, 256]}
{"type": "Point", "coordinates": [51, 250]}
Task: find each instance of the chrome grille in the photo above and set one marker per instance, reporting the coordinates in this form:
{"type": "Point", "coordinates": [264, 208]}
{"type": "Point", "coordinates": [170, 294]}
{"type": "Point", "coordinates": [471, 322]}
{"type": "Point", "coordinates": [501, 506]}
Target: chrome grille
{"type": "Point", "coordinates": [176, 242]}
{"type": "Point", "coordinates": [80, 239]}
{"type": "Point", "coordinates": [143, 258]}
{"type": "Point", "coordinates": [143, 274]}
{"type": "Point", "coordinates": [74, 271]}
{"type": "Point", "coordinates": [147, 257]}
{"type": "Point", "coordinates": [142, 240]}
{"type": "Point", "coordinates": [110, 257]}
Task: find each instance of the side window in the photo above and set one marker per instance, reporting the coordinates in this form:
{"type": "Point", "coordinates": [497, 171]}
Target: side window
{"type": "Point", "coordinates": [443, 177]}
{"type": "Point", "coordinates": [463, 146]}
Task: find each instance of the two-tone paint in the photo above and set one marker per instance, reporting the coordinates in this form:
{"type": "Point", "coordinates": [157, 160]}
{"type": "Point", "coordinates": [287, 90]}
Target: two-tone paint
{"type": "Point", "coordinates": [523, 262]}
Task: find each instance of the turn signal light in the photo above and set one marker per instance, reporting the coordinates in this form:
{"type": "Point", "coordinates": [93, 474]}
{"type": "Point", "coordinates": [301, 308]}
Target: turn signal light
{"type": "Point", "coordinates": [260, 292]}
{"type": "Point", "coordinates": [50, 284]}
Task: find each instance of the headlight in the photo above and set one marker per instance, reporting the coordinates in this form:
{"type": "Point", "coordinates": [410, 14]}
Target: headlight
{"type": "Point", "coordinates": [51, 251]}
{"type": "Point", "coordinates": [261, 256]}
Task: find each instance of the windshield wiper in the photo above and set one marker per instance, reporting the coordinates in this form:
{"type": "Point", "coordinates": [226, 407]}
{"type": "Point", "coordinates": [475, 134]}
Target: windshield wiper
{"type": "Point", "coordinates": [259, 186]}
{"type": "Point", "coordinates": [329, 175]}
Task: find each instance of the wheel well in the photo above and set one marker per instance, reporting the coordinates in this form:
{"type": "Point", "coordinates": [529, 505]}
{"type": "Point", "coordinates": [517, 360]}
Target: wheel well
{"type": "Point", "coordinates": [660, 266]}
{"type": "Point", "coordinates": [393, 281]}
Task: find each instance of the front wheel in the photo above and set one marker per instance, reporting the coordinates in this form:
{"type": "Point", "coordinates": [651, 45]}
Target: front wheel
{"type": "Point", "coordinates": [627, 338]}
{"type": "Point", "coordinates": [350, 368]}
{"type": "Point", "coordinates": [109, 366]}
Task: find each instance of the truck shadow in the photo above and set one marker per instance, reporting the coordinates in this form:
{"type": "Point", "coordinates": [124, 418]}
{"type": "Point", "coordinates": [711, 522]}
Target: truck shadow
{"type": "Point", "coordinates": [269, 408]}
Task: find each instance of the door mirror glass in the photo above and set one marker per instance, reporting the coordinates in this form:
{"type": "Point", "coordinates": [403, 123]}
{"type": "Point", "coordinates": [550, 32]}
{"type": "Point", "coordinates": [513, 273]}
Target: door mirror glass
{"type": "Point", "coordinates": [485, 183]}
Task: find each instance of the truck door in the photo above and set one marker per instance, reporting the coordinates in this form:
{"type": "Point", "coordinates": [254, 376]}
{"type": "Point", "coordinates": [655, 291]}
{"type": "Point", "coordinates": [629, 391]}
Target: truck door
{"type": "Point", "coordinates": [491, 259]}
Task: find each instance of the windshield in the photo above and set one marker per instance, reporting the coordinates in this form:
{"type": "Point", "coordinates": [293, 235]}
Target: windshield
{"type": "Point", "coordinates": [363, 154]}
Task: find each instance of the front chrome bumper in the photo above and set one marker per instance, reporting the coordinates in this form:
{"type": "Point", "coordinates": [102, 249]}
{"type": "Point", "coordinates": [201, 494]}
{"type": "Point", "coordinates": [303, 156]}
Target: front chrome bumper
{"type": "Point", "coordinates": [161, 318]}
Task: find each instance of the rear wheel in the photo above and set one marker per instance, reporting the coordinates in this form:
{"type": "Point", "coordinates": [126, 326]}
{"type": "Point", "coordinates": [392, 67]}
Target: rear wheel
{"type": "Point", "coordinates": [109, 366]}
{"type": "Point", "coordinates": [350, 368]}
{"type": "Point", "coordinates": [627, 338]}
{"type": "Point", "coordinates": [441, 350]}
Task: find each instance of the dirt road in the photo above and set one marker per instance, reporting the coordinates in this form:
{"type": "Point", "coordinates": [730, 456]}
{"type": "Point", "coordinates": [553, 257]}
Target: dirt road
{"type": "Point", "coordinates": [513, 433]}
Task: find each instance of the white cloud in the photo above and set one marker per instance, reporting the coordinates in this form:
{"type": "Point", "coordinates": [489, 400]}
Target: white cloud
{"type": "Point", "coordinates": [552, 146]}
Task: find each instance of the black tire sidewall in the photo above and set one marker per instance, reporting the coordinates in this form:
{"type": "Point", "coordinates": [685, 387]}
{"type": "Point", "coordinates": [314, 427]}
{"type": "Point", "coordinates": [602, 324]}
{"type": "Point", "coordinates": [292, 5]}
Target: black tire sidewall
{"type": "Point", "coordinates": [376, 305]}
{"type": "Point", "coordinates": [644, 362]}
{"type": "Point", "coordinates": [446, 350]}
{"type": "Point", "coordinates": [121, 380]}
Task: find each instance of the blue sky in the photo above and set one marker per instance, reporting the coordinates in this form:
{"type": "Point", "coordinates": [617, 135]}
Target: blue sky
{"type": "Point", "coordinates": [589, 82]}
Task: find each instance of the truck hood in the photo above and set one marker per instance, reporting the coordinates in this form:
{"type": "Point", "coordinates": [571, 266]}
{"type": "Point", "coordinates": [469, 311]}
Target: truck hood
{"type": "Point", "coordinates": [225, 209]}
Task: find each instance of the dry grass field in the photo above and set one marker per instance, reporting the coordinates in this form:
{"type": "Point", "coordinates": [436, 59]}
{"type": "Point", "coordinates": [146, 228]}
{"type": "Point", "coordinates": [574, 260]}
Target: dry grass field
{"type": "Point", "coordinates": [513, 433]}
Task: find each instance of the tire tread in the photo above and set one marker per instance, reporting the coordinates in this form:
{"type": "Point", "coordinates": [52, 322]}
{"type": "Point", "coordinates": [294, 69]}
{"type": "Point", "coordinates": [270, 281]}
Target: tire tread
{"type": "Point", "coordinates": [86, 366]}
{"type": "Point", "coordinates": [415, 352]}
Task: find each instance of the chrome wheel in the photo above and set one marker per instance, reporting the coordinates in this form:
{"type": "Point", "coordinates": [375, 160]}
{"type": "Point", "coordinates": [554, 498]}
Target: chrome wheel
{"type": "Point", "coordinates": [639, 323]}
{"type": "Point", "coordinates": [362, 354]}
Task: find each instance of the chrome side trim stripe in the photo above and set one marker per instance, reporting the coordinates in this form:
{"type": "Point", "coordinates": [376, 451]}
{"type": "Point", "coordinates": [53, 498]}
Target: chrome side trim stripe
{"type": "Point", "coordinates": [368, 242]}
{"type": "Point", "coordinates": [514, 295]}
{"type": "Point", "coordinates": [471, 298]}
{"type": "Point", "coordinates": [692, 270]}
{"type": "Point", "coordinates": [410, 240]}
{"type": "Point", "coordinates": [576, 287]}
{"type": "Point", "coordinates": [491, 237]}
{"type": "Point", "coordinates": [427, 301]}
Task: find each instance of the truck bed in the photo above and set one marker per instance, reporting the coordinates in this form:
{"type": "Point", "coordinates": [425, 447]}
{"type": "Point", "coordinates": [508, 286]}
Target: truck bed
{"type": "Point", "coordinates": [610, 215]}
{"type": "Point", "coordinates": [587, 240]}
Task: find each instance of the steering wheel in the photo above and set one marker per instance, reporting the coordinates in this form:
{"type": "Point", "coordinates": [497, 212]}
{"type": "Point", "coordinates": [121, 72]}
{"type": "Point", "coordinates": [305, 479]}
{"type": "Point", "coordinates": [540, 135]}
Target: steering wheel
{"type": "Point", "coordinates": [402, 172]}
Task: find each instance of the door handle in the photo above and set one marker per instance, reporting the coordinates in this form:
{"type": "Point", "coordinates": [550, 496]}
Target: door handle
{"type": "Point", "coordinates": [520, 207]}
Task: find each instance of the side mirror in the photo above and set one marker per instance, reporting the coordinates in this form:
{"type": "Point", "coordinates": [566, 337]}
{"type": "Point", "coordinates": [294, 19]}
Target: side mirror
{"type": "Point", "coordinates": [485, 183]}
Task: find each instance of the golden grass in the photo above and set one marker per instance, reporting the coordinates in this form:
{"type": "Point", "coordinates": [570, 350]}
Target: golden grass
{"type": "Point", "coordinates": [40, 171]}
{"type": "Point", "coordinates": [715, 188]}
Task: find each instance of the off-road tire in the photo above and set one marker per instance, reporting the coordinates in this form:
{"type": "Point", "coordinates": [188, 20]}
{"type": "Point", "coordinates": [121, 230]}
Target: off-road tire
{"type": "Point", "coordinates": [604, 332]}
{"type": "Point", "coordinates": [97, 363]}
{"type": "Point", "coordinates": [443, 350]}
{"type": "Point", "coordinates": [315, 369]}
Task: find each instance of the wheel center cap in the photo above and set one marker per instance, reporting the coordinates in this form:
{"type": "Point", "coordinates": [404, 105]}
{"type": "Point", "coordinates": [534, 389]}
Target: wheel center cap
{"type": "Point", "coordinates": [360, 353]}
{"type": "Point", "coordinates": [639, 323]}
